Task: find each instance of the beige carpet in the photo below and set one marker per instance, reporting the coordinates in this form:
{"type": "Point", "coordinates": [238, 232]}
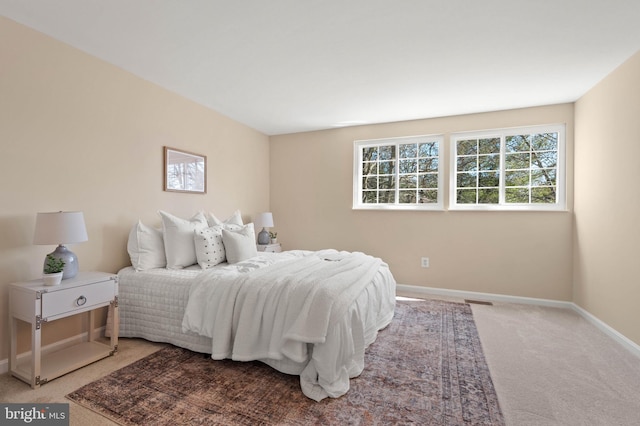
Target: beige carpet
{"type": "Point", "coordinates": [540, 359]}
{"type": "Point", "coordinates": [552, 367]}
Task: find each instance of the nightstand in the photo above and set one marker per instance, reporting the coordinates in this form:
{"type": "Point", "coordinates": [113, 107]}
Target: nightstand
{"type": "Point", "coordinates": [269, 248]}
{"type": "Point", "coordinates": [35, 303]}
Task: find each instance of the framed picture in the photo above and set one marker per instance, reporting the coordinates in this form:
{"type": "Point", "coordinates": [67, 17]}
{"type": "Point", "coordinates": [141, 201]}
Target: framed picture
{"type": "Point", "coordinates": [184, 171]}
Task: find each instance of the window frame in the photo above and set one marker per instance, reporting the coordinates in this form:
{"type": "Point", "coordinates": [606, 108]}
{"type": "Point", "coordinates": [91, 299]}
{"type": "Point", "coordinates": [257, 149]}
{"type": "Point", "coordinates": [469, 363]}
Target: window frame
{"type": "Point", "coordinates": [358, 146]}
{"type": "Point", "coordinates": [502, 134]}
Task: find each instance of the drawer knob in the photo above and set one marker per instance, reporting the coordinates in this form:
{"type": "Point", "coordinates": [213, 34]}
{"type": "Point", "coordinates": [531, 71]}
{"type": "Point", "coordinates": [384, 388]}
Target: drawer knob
{"type": "Point", "coordinates": [81, 300]}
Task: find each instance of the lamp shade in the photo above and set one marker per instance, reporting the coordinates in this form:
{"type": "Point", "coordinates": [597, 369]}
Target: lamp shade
{"type": "Point", "coordinates": [60, 228]}
{"type": "Point", "coordinates": [265, 220]}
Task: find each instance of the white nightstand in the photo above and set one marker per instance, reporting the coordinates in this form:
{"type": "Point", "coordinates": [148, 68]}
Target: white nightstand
{"type": "Point", "coordinates": [35, 303]}
{"type": "Point", "coordinates": [270, 248]}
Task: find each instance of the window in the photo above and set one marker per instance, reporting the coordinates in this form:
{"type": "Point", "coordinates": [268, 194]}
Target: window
{"type": "Point", "coordinates": [399, 173]}
{"type": "Point", "coordinates": [519, 168]}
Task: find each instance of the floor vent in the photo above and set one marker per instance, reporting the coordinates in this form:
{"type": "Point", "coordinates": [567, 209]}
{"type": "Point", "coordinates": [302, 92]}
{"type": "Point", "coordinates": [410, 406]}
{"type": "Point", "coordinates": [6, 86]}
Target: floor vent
{"type": "Point", "coordinates": [478, 302]}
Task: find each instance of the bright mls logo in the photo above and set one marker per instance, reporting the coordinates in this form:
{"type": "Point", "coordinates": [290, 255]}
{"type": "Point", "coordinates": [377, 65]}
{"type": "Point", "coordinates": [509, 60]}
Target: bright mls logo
{"type": "Point", "coordinates": [34, 414]}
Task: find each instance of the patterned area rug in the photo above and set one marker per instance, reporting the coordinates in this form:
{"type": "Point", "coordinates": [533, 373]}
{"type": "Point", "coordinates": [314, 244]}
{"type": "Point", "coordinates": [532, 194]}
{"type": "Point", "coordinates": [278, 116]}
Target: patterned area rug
{"type": "Point", "coordinates": [426, 368]}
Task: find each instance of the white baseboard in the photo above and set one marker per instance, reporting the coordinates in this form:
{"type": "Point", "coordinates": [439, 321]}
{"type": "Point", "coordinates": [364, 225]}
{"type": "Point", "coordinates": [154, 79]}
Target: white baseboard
{"type": "Point", "coordinates": [56, 346]}
{"type": "Point", "coordinates": [621, 339]}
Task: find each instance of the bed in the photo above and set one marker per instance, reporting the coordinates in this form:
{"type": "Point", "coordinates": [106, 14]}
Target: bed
{"type": "Point", "coordinates": [271, 307]}
{"type": "Point", "coordinates": [200, 284]}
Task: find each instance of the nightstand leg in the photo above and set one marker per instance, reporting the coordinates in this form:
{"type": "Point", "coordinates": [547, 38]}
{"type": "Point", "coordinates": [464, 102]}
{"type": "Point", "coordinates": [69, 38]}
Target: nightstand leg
{"type": "Point", "coordinates": [36, 328]}
{"type": "Point", "coordinates": [91, 326]}
{"type": "Point", "coordinates": [13, 357]}
{"type": "Point", "coordinates": [115, 324]}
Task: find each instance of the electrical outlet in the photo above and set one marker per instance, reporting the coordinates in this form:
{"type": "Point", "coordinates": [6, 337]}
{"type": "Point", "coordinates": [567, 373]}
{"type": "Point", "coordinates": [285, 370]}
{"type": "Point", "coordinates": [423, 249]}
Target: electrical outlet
{"type": "Point", "coordinates": [424, 262]}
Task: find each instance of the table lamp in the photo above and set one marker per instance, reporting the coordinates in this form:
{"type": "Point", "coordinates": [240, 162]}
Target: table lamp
{"type": "Point", "coordinates": [61, 228]}
{"type": "Point", "coordinates": [266, 220]}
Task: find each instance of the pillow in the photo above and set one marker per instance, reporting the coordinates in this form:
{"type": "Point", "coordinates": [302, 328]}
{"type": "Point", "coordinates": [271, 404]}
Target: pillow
{"type": "Point", "coordinates": [209, 247]}
{"type": "Point", "coordinates": [241, 244]}
{"type": "Point", "coordinates": [146, 247]}
{"type": "Point", "coordinates": [179, 246]}
{"type": "Point", "coordinates": [234, 219]}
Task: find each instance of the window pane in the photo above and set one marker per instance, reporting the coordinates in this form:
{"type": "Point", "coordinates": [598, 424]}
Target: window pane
{"type": "Point", "coordinates": [486, 179]}
{"type": "Point", "coordinates": [408, 181]}
{"type": "Point", "coordinates": [429, 180]}
{"type": "Point", "coordinates": [517, 161]}
{"type": "Point", "coordinates": [489, 146]}
{"type": "Point", "coordinates": [467, 164]}
{"type": "Point", "coordinates": [519, 143]}
{"type": "Point", "coordinates": [516, 178]}
{"type": "Point", "coordinates": [408, 166]}
{"type": "Point", "coordinates": [466, 196]}
{"type": "Point", "coordinates": [407, 197]}
{"type": "Point", "coordinates": [370, 154]}
{"type": "Point", "coordinates": [467, 147]}
{"type": "Point", "coordinates": [544, 159]}
{"type": "Point", "coordinates": [428, 149]}
{"type": "Point", "coordinates": [428, 196]}
{"type": "Point", "coordinates": [543, 177]}
{"type": "Point", "coordinates": [386, 167]}
{"type": "Point", "coordinates": [516, 195]}
{"type": "Point", "coordinates": [387, 182]}
{"type": "Point", "coordinates": [467, 180]}
{"type": "Point", "coordinates": [387, 152]}
{"type": "Point", "coordinates": [545, 142]}
{"type": "Point", "coordinates": [543, 195]}
{"type": "Point", "coordinates": [428, 165]}
{"type": "Point", "coordinates": [386, 197]}
{"type": "Point", "coordinates": [369, 197]}
{"type": "Point", "coordinates": [369, 168]}
{"type": "Point", "coordinates": [489, 162]}
{"type": "Point", "coordinates": [408, 150]}
{"type": "Point", "coordinates": [489, 196]}
{"type": "Point", "coordinates": [370, 182]}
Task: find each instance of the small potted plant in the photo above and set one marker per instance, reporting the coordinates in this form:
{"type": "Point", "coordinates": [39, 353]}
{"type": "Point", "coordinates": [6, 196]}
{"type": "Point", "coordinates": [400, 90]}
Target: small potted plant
{"type": "Point", "coordinates": [274, 237]}
{"type": "Point", "coordinates": [52, 273]}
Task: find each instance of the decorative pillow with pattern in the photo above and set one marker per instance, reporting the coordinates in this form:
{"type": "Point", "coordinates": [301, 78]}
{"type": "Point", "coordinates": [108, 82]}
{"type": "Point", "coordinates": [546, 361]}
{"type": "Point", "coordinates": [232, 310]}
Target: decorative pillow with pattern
{"type": "Point", "coordinates": [209, 247]}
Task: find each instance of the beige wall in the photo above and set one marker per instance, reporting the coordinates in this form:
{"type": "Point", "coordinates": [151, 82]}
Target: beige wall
{"type": "Point", "coordinates": [607, 200]}
{"type": "Point", "coordinates": [79, 134]}
{"type": "Point", "coordinates": [514, 253]}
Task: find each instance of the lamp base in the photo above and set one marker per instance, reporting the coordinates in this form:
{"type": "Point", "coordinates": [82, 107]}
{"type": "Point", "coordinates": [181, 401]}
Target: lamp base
{"type": "Point", "coordinates": [264, 237]}
{"type": "Point", "coordinates": [70, 261]}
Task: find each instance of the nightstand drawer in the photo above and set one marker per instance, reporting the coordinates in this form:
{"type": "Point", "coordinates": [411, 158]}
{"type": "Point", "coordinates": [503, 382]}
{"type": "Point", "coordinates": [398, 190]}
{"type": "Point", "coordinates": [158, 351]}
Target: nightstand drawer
{"type": "Point", "coordinates": [270, 248]}
{"type": "Point", "coordinates": [77, 298]}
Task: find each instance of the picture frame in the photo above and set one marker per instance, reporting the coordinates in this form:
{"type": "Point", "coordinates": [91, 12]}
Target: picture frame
{"type": "Point", "coordinates": [184, 171]}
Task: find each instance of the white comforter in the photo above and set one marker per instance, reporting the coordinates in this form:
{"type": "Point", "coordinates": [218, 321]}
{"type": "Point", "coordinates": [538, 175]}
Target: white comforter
{"type": "Point", "coordinates": [307, 309]}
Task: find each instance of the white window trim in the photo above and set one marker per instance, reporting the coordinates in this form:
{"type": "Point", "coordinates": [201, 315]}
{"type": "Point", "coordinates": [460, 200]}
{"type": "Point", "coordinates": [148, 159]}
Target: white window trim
{"type": "Point", "coordinates": [560, 205]}
{"type": "Point", "coordinates": [357, 173]}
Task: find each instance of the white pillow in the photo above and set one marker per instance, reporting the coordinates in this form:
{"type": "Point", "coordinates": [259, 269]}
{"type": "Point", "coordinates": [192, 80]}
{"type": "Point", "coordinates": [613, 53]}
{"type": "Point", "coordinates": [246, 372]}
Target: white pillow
{"type": "Point", "coordinates": [146, 247]}
{"type": "Point", "coordinates": [241, 244]}
{"type": "Point", "coordinates": [234, 219]}
{"type": "Point", "coordinates": [209, 247]}
{"type": "Point", "coordinates": [179, 246]}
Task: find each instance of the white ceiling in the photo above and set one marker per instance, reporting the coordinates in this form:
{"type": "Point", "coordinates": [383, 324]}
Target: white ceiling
{"type": "Point", "coordinates": [284, 66]}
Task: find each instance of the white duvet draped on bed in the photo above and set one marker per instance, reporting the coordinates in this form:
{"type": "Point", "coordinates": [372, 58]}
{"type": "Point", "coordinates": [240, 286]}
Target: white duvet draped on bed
{"type": "Point", "coordinates": [318, 311]}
